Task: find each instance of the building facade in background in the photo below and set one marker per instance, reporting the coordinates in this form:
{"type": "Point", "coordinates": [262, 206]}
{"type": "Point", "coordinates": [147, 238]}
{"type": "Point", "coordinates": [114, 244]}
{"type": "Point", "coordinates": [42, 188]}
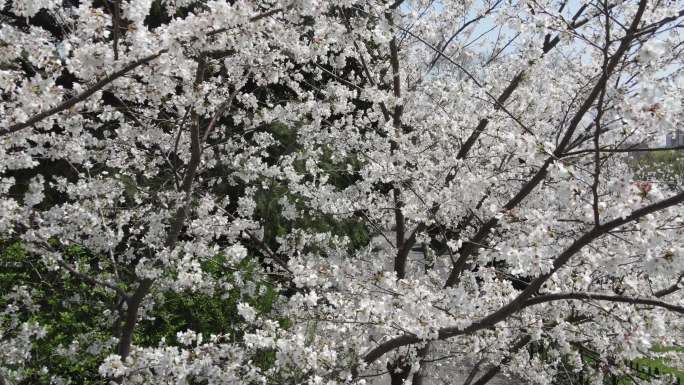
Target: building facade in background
{"type": "Point", "coordinates": [675, 139]}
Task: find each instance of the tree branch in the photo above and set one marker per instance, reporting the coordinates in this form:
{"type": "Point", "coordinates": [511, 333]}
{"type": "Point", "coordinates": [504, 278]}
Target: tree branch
{"type": "Point", "coordinates": [617, 150]}
{"type": "Point", "coordinates": [669, 290]}
{"type": "Point", "coordinates": [540, 175]}
{"type": "Point", "coordinates": [517, 303]}
{"type": "Point", "coordinates": [135, 300]}
{"type": "Point", "coordinates": [496, 369]}
{"type": "Point", "coordinates": [108, 79]}
{"type": "Point", "coordinates": [91, 280]}
{"type": "Point", "coordinates": [601, 297]}
{"type": "Point", "coordinates": [116, 21]}
{"type": "Point", "coordinates": [465, 25]}
{"type": "Point", "coordinates": [399, 220]}
{"type": "Point", "coordinates": [82, 96]}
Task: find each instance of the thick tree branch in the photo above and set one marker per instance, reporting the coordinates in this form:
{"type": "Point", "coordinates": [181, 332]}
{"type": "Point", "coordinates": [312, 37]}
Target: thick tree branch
{"type": "Point", "coordinates": [116, 26]}
{"type": "Point", "coordinates": [107, 80]}
{"type": "Point", "coordinates": [622, 150]}
{"type": "Point", "coordinates": [669, 290]}
{"type": "Point", "coordinates": [405, 249]}
{"type": "Point", "coordinates": [653, 27]}
{"type": "Point", "coordinates": [601, 297]}
{"type": "Point", "coordinates": [517, 303]}
{"type": "Point", "coordinates": [472, 246]}
{"type": "Point", "coordinates": [517, 346]}
{"type": "Point", "coordinates": [399, 220]}
{"type": "Point", "coordinates": [135, 300]}
{"type": "Point", "coordinates": [82, 96]}
{"type": "Point", "coordinates": [524, 340]}
{"type": "Point", "coordinates": [541, 173]}
{"type": "Point", "coordinates": [507, 92]}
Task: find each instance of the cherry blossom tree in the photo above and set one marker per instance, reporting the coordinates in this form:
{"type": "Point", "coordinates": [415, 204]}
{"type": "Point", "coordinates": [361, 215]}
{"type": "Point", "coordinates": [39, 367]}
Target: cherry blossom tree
{"type": "Point", "coordinates": [483, 144]}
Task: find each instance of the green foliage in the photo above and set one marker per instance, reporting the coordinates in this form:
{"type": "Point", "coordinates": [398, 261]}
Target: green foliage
{"type": "Point", "coordinates": [644, 369]}
{"type": "Point", "coordinates": [214, 313]}
{"type": "Point", "coordinates": [662, 166]}
{"type": "Point", "coordinates": [70, 311]}
{"type": "Point", "coordinates": [655, 367]}
{"type": "Point", "coordinates": [269, 210]}
{"type": "Point", "coordinates": [82, 320]}
{"type": "Point", "coordinates": [275, 225]}
{"type": "Point", "coordinates": [286, 137]}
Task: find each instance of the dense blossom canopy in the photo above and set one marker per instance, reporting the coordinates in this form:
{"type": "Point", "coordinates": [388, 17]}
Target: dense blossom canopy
{"type": "Point", "coordinates": [373, 186]}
